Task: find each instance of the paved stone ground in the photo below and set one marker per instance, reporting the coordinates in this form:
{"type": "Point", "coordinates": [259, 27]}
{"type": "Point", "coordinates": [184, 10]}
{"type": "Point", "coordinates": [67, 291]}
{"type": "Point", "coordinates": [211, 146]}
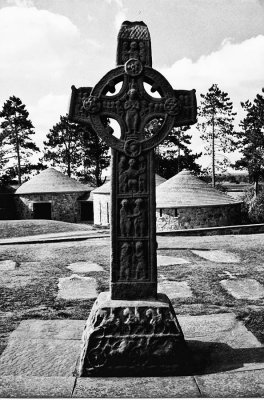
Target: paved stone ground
{"type": "Point", "coordinates": [227, 361]}
{"type": "Point", "coordinates": [167, 260]}
{"type": "Point", "coordinates": [77, 287]}
{"type": "Point", "coordinates": [217, 256]}
{"type": "Point", "coordinates": [174, 289]}
{"type": "Point", "coordinates": [85, 267]}
{"type": "Point", "coordinates": [249, 289]}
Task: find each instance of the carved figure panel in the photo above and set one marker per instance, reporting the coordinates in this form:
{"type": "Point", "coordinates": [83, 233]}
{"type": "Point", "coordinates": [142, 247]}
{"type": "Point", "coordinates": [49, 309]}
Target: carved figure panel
{"type": "Point", "coordinates": [132, 174]}
{"type": "Point", "coordinates": [133, 217]}
{"type": "Point", "coordinates": [133, 261]}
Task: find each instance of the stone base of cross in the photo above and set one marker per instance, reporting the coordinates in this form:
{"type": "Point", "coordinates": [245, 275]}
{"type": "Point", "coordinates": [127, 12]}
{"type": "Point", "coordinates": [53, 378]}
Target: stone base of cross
{"type": "Point", "coordinates": [133, 329]}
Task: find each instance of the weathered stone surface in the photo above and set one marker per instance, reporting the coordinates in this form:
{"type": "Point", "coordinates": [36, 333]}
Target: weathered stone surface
{"type": "Point", "coordinates": [167, 260]}
{"type": "Point", "coordinates": [36, 387]}
{"type": "Point", "coordinates": [84, 267]}
{"type": "Point", "coordinates": [77, 287]}
{"type": "Point", "coordinates": [8, 265]}
{"type": "Point", "coordinates": [152, 387]}
{"type": "Point", "coordinates": [219, 256]}
{"type": "Point", "coordinates": [232, 385]}
{"type": "Point", "coordinates": [40, 357]}
{"type": "Point", "coordinates": [248, 289]}
{"type": "Point", "coordinates": [175, 289]}
{"type": "Point", "coordinates": [57, 329]}
{"type": "Point", "coordinates": [128, 337]}
{"type": "Point", "coordinates": [219, 342]}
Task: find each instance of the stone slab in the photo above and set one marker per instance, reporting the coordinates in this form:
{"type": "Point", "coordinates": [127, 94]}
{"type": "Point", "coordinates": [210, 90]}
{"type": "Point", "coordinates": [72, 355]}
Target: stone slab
{"type": "Point", "coordinates": [136, 387]}
{"type": "Point", "coordinates": [58, 329]}
{"type": "Point", "coordinates": [248, 289]}
{"type": "Point", "coordinates": [233, 384]}
{"type": "Point", "coordinates": [36, 387]}
{"type": "Point", "coordinates": [8, 265]}
{"type": "Point", "coordinates": [85, 267]}
{"type": "Point", "coordinates": [218, 256]}
{"type": "Point", "coordinates": [175, 289]}
{"type": "Point", "coordinates": [163, 261]}
{"type": "Point", "coordinates": [219, 342]}
{"type": "Point", "coordinates": [40, 357]}
{"type": "Point", "coordinates": [50, 348]}
{"type": "Point", "coordinates": [77, 287]}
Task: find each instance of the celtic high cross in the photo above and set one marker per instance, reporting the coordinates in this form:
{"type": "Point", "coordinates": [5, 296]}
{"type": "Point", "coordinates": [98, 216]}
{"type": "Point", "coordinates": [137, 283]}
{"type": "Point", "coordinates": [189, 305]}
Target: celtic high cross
{"type": "Point", "coordinates": [133, 207]}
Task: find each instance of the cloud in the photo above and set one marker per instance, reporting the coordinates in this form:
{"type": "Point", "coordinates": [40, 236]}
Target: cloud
{"type": "Point", "coordinates": [50, 105]}
{"type": "Point", "coordinates": [237, 68]}
{"type": "Point", "coordinates": [21, 3]}
{"type": "Point", "coordinates": [119, 18]}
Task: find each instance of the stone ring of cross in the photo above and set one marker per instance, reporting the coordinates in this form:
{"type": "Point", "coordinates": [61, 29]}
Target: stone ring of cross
{"type": "Point", "coordinates": [132, 107]}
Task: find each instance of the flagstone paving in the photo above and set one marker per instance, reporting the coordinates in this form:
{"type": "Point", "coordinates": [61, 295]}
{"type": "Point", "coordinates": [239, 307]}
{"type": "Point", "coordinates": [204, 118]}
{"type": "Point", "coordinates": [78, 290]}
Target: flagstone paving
{"type": "Point", "coordinates": [248, 289]}
{"type": "Point", "coordinates": [174, 289]}
{"type": "Point", "coordinates": [8, 265]}
{"type": "Point", "coordinates": [163, 261]}
{"type": "Point", "coordinates": [77, 287]}
{"type": "Point", "coordinates": [217, 256]}
{"type": "Point", "coordinates": [84, 267]}
{"type": "Point", "coordinates": [218, 343]}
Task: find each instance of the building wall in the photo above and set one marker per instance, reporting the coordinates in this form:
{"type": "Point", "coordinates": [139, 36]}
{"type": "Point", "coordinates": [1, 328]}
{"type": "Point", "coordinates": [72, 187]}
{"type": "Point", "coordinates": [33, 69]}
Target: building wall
{"type": "Point", "coordinates": [101, 209]}
{"type": "Point", "coordinates": [64, 206]}
{"type": "Point", "coordinates": [198, 217]}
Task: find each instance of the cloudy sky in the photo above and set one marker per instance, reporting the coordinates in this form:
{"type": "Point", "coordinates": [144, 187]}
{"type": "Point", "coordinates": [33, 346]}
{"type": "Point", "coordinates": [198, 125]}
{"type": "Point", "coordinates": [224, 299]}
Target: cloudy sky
{"type": "Point", "coordinates": [48, 45]}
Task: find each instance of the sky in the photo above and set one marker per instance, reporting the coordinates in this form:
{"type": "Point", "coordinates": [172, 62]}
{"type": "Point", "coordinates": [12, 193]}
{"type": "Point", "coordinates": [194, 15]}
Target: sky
{"type": "Point", "coordinates": [46, 46]}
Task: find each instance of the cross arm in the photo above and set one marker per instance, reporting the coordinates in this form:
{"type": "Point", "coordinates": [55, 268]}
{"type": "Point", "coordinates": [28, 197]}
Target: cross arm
{"type": "Point", "coordinates": [187, 111]}
{"type": "Point", "coordinates": [77, 112]}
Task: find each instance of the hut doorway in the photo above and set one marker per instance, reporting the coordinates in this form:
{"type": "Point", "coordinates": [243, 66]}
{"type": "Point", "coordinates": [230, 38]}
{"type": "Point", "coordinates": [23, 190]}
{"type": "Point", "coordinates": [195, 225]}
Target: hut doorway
{"type": "Point", "coordinates": [42, 210]}
{"type": "Point", "coordinates": [87, 211]}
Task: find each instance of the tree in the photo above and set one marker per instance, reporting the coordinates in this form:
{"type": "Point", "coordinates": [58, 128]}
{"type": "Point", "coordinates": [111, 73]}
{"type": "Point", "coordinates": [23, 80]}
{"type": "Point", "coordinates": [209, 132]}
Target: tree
{"type": "Point", "coordinates": [95, 156]}
{"type": "Point", "coordinates": [173, 155]}
{"type": "Point", "coordinates": [77, 149]}
{"type": "Point", "coordinates": [16, 132]}
{"type": "Point", "coordinates": [251, 140]}
{"type": "Point", "coordinates": [63, 145]}
{"type": "Point", "coordinates": [216, 112]}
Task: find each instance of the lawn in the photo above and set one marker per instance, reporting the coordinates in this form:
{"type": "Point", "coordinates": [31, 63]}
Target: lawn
{"type": "Point", "coordinates": [30, 290]}
{"type": "Point", "coordinates": [18, 228]}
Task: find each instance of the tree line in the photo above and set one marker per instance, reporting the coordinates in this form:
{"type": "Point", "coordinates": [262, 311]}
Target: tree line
{"type": "Point", "coordinates": [79, 152]}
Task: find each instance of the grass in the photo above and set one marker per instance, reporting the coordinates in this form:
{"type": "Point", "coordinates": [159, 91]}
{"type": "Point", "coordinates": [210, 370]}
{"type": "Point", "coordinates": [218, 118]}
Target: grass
{"type": "Point", "coordinates": [30, 291]}
{"type": "Point", "coordinates": [19, 228]}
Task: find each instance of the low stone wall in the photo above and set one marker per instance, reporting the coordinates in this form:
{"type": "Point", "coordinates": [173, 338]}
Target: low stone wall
{"type": "Point", "coordinates": [64, 206]}
{"type": "Point", "coordinates": [101, 209]}
{"type": "Point", "coordinates": [220, 230]}
{"type": "Point", "coordinates": [197, 217]}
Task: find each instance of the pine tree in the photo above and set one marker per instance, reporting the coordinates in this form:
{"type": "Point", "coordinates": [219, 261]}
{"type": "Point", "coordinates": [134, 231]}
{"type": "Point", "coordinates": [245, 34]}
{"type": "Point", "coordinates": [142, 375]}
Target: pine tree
{"type": "Point", "coordinates": [216, 113]}
{"type": "Point", "coordinates": [251, 140]}
{"type": "Point", "coordinates": [77, 149]}
{"type": "Point", "coordinates": [16, 132]}
{"type": "Point", "coordinates": [173, 155]}
{"type": "Point", "coordinates": [63, 145]}
{"type": "Point", "coordinates": [95, 156]}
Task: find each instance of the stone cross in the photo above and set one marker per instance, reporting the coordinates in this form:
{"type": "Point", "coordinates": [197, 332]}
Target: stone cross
{"type": "Point", "coordinates": [133, 206]}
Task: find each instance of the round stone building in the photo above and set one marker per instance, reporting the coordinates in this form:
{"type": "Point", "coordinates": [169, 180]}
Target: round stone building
{"type": "Point", "coordinates": [53, 195]}
{"type": "Point", "coordinates": [186, 202]}
{"type": "Point", "coordinates": [101, 201]}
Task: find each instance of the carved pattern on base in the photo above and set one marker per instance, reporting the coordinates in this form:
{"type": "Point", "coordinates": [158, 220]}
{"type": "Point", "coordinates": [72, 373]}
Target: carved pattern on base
{"type": "Point", "coordinates": [130, 338]}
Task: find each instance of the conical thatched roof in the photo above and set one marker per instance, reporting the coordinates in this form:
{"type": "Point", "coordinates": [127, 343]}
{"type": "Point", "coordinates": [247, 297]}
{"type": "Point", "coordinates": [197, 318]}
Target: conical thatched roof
{"type": "Point", "coordinates": [106, 187]}
{"type": "Point", "coordinates": [186, 190]}
{"type": "Point", "coordinates": [51, 181]}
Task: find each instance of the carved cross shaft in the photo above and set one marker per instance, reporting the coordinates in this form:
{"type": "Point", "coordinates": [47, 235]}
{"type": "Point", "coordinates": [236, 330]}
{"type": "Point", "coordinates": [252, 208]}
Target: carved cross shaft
{"type": "Point", "coordinates": [133, 227]}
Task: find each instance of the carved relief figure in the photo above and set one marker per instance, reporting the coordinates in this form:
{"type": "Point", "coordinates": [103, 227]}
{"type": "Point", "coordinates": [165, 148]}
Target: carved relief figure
{"type": "Point", "coordinates": [140, 261]}
{"type": "Point", "coordinates": [122, 177]}
{"type": "Point", "coordinates": [139, 214]}
{"type": "Point", "coordinates": [132, 107]}
{"type": "Point", "coordinates": [125, 52]}
{"type": "Point", "coordinates": [125, 221]}
{"type": "Point", "coordinates": [142, 52]}
{"type": "Point", "coordinates": [133, 51]}
{"type": "Point", "coordinates": [142, 179]}
{"type": "Point", "coordinates": [125, 261]}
